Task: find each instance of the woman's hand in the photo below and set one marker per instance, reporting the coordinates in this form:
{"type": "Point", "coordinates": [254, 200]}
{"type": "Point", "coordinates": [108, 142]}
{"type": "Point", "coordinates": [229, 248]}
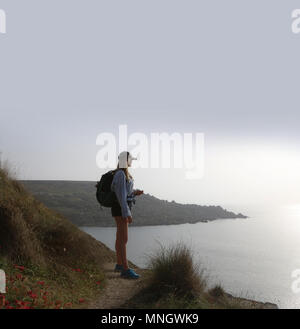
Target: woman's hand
{"type": "Point", "coordinates": [138, 192]}
{"type": "Point", "coordinates": [129, 219]}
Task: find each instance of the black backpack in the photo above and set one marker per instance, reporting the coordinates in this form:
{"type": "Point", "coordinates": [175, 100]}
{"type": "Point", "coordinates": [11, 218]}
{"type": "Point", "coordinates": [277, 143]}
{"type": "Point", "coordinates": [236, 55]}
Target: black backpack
{"type": "Point", "coordinates": [105, 196]}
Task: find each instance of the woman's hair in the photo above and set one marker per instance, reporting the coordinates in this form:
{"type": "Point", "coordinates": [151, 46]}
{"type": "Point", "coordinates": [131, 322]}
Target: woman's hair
{"type": "Point", "coordinates": [126, 171]}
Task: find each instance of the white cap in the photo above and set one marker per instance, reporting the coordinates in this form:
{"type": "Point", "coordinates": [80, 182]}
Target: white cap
{"type": "Point", "coordinates": [125, 158]}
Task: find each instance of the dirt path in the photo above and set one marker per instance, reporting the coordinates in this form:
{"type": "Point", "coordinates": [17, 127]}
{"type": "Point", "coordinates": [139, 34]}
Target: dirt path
{"type": "Point", "coordinates": [117, 290]}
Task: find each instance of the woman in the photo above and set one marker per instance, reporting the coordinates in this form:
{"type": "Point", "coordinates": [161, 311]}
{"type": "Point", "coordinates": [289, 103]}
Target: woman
{"type": "Point", "coordinates": [122, 185]}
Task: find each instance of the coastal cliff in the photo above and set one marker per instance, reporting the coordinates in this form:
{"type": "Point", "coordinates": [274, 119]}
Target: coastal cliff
{"type": "Point", "coordinates": [77, 201]}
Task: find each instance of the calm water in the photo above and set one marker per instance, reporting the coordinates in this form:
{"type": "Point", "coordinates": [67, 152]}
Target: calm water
{"type": "Point", "coordinates": [251, 258]}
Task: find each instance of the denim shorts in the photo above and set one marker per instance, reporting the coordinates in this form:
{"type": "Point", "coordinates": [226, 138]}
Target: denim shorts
{"type": "Point", "coordinates": [116, 209]}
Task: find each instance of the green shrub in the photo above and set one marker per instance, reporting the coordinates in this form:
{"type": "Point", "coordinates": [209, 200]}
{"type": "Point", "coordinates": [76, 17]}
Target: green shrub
{"type": "Point", "coordinates": [217, 291]}
{"type": "Point", "coordinates": [174, 271]}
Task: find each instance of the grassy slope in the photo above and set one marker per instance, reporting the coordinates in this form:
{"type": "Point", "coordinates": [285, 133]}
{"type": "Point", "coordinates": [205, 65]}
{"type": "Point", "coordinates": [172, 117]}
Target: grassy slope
{"type": "Point", "coordinates": [48, 261]}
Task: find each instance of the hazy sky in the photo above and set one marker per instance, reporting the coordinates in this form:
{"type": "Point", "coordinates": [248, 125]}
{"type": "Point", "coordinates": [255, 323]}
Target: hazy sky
{"type": "Point", "coordinates": [70, 70]}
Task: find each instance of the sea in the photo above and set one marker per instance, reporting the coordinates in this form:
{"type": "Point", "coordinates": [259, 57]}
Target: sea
{"type": "Point", "coordinates": [256, 258]}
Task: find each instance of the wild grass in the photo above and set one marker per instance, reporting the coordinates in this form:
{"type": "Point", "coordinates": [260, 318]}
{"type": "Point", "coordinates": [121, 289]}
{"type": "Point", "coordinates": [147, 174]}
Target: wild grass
{"type": "Point", "coordinates": [217, 291]}
{"type": "Point", "coordinates": [175, 281]}
{"type": "Point", "coordinates": [43, 253]}
{"type": "Point", "coordinates": [174, 271]}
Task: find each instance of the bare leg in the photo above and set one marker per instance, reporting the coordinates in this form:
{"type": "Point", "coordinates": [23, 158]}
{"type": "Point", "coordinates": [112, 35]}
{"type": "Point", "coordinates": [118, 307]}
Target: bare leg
{"type": "Point", "coordinates": [118, 252]}
{"type": "Point", "coordinates": [121, 241]}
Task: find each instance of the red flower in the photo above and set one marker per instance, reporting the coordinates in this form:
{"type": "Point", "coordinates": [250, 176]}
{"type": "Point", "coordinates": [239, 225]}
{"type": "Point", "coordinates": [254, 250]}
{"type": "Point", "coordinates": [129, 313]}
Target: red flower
{"type": "Point", "coordinates": [9, 307]}
{"type": "Point", "coordinates": [19, 276]}
{"type": "Point", "coordinates": [81, 300]}
{"type": "Point", "coordinates": [11, 279]}
{"type": "Point", "coordinates": [41, 283]}
{"type": "Point", "coordinates": [76, 270]}
{"type": "Point", "coordinates": [32, 295]}
{"type": "Point", "coordinates": [98, 282]}
{"type": "Point", "coordinates": [21, 268]}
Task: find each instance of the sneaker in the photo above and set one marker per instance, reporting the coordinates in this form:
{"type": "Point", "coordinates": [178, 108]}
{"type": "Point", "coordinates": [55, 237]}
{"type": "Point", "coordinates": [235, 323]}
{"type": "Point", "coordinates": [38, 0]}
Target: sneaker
{"type": "Point", "coordinates": [130, 274]}
{"type": "Point", "coordinates": [118, 268]}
